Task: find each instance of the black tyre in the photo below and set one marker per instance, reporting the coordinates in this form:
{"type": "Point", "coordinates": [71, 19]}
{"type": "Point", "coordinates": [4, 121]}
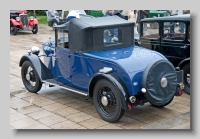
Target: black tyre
{"type": "Point", "coordinates": [186, 78]}
{"type": "Point", "coordinates": [35, 29]}
{"type": "Point", "coordinates": [160, 106]}
{"type": "Point", "coordinates": [13, 29]}
{"type": "Point", "coordinates": [107, 101]}
{"type": "Point", "coordinates": [30, 78]}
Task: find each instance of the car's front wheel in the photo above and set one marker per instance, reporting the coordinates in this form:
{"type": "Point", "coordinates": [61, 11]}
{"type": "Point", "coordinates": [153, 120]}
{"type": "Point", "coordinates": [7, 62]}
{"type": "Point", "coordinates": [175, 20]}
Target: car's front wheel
{"type": "Point", "coordinates": [107, 101]}
{"type": "Point", "coordinates": [186, 78]}
{"type": "Point", "coordinates": [13, 29]}
{"type": "Point", "coordinates": [30, 78]}
{"type": "Point", "coordinates": [35, 29]}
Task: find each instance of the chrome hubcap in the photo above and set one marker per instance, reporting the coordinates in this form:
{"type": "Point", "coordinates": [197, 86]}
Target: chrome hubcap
{"type": "Point", "coordinates": [28, 77]}
{"type": "Point", "coordinates": [104, 101]}
{"type": "Point", "coordinates": [163, 82]}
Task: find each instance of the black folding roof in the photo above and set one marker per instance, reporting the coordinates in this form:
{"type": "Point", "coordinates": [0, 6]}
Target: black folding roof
{"type": "Point", "coordinates": [96, 22]}
{"type": "Point", "coordinates": [86, 34]}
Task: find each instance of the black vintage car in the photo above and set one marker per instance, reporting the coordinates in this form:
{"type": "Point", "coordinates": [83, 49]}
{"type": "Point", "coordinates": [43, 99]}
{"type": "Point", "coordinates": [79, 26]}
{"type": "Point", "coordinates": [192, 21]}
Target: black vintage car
{"type": "Point", "coordinates": [171, 37]}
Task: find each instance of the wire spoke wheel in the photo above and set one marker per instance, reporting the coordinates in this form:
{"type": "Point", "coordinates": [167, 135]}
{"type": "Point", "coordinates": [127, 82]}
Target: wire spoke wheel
{"type": "Point", "coordinates": [110, 107]}
{"type": "Point", "coordinates": [186, 78]}
{"type": "Point", "coordinates": [30, 78]}
{"type": "Point", "coordinates": [107, 101]}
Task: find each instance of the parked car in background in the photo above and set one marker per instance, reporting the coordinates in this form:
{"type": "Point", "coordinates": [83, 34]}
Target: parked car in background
{"type": "Point", "coordinates": [19, 21]}
{"type": "Point", "coordinates": [97, 58]}
{"type": "Point", "coordinates": [171, 38]}
{"type": "Point", "coordinates": [54, 18]}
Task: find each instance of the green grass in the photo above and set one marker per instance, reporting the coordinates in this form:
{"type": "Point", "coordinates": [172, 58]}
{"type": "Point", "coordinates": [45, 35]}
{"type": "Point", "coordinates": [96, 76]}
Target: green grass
{"type": "Point", "coordinates": [42, 19]}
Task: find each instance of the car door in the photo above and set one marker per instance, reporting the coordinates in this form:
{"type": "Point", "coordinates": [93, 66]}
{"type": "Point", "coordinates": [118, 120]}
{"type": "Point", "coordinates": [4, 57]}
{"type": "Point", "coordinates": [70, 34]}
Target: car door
{"type": "Point", "coordinates": [150, 35]}
{"type": "Point", "coordinates": [173, 42]}
{"type": "Point", "coordinates": [62, 55]}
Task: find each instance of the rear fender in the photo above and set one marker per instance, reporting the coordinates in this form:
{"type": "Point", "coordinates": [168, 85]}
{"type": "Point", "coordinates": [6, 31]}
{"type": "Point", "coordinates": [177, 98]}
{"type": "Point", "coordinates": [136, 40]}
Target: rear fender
{"type": "Point", "coordinates": [42, 71]}
{"type": "Point", "coordinates": [117, 81]}
{"type": "Point", "coordinates": [183, 62]}
{"type": "Point", "coordinates": [14, 22]}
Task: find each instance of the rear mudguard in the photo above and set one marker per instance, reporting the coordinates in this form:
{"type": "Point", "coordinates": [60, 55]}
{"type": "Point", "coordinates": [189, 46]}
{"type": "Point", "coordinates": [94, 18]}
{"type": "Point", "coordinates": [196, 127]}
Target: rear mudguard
{"type": "Point", "coordinates": [42, 71]}
{"type": "Point", "coordinates": [117, 81]}
{"type": "Point", "coordinates": [183, 62]}
{"type": "Point", "coordinates": [14, 22]}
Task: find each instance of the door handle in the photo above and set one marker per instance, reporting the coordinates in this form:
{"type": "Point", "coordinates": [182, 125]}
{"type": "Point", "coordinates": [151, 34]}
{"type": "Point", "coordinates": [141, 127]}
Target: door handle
{"type": "Point", "coordinates": [57, 58]}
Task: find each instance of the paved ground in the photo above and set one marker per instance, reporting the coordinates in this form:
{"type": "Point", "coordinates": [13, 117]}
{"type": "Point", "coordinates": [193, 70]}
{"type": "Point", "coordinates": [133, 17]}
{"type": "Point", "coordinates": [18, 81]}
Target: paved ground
{"type": "Point", "coordinates": [55, 108]}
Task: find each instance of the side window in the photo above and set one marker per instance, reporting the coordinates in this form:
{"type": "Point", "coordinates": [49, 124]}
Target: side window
{"type": "Point", "coordinates": [112, 37]}
{"type": "Point", "coordinates": [62, 39]}
{"type": "Point", "coordinates": [174, 31]}
{"type": "Point", "coordinates": [150, 30]}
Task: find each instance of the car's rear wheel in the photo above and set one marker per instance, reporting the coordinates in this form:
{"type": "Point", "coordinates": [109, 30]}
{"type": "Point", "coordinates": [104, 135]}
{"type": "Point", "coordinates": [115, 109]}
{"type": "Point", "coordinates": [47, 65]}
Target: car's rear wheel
{"type": "Point", "coordinates": [35, 29]}
{"type": "Point", "coordinates": [30, 78]}
{"type": "Point", "coordinates": [107, 101]}
{"type": "Point", "coordinates": [186, 78]}
{"type": "Point", "coordinates": [13, 29]}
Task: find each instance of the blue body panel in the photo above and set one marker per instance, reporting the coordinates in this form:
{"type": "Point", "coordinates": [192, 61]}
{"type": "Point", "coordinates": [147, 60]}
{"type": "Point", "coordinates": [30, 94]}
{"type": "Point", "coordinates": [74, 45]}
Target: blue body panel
{"type": "Point", "coordinates": [77, 69]}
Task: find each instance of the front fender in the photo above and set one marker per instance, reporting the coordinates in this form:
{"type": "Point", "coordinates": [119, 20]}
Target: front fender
{"type": "Point", "coordinates": [183, 62]}
{"type": "Point", "coordinates": [35, 21]}
{"type": "Point", "coordinates": [14, 22]}
{"type": "Point", "coordinates": [117, 81]}
{"type": "Point", "coordinates": [42, 71]}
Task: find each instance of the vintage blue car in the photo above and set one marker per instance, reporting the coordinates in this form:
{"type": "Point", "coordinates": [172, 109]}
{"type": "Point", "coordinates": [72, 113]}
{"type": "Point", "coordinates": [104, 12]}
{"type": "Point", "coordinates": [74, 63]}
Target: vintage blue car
{"type": "Point", "coordinates": [97, 57]}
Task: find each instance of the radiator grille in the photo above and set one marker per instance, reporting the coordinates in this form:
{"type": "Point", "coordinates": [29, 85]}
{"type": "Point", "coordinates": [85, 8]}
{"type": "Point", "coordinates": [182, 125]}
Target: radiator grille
{"type": "Point", "coordinates": [24, 19]}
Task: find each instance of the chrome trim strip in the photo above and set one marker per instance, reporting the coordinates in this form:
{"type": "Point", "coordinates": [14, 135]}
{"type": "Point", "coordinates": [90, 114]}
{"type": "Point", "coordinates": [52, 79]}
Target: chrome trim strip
{"type": "Point", "coordinates": [78, 92]}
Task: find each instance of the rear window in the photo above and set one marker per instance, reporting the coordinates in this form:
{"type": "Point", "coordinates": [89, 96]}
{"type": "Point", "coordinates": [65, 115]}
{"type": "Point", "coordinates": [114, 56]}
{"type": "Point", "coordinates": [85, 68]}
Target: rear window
{"type": "Point", "coordinates": [150, 30]}
{"type": "Point", "coordinates": [174, 31]}
{"type": "Point", "coordinates": [112, 37]}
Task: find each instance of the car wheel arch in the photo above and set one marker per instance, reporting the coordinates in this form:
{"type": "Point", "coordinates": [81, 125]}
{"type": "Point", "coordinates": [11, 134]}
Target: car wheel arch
{"type": "Point", "coordinates": [41, 70]}
{"type": "Point", "coordinates": [116, 80]}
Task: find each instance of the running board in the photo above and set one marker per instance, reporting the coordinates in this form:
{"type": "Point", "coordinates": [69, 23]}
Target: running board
{"type": "Point", "coordinates": [64, 86]}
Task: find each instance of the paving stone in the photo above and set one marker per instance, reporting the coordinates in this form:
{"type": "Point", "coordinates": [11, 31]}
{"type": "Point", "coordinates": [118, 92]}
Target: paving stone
{"type": "Point", "coordinates": [20, 104]}
{"type": "Point", "coordinates": [183, 126]}
{"type": "Point", "coordinates": [78, 117]}
{"type": "Point", "coordinates": [66, 111]}
{"type": "Point", "coordinates": [54, 106]}
{"type": "Point", "coordinates": [87, 109]}
{"type": "Point", "coordinates": [23, 123]}
{"type": "Point", "coordinates": [52, 119]}
{"type": "Point", "coordinates": [147, 117]}
{"type": "Point", "coordinates": [33, 98]}
{"type": "Point", "coordinates": [37, 126]}
{"type": "Point", "coordinates": [29, 109]}
{"type": "Point", "coordinates": [43, 102]}
{"type": "Point", "coordinates": [12, 111]}
{"type": "Point", "coordinates": [16, 116]}
{"type": "Point", "coordinates": [25, 94]}
{"type": "Point", "coordinates": [93, 123]}
{"type": "Point", "coordinates": [66, 100]}
{"type": "Point", "coordinates": [39, 114]}
{"type": "Point", "coordinates": [109, 126]}
{"type": "Point", "coordinates": [78, 104]}
{"type": "Point", "coordinates": [66, 125]}
{"type": "Point", "coordinates": [133, 125]}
